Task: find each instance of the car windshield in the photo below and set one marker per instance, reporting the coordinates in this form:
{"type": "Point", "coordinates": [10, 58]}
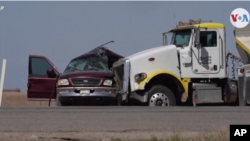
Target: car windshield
{"type": "Point", "coordinates": [181, 38]}
{"type": "Point", "coordinates": [97, 63]}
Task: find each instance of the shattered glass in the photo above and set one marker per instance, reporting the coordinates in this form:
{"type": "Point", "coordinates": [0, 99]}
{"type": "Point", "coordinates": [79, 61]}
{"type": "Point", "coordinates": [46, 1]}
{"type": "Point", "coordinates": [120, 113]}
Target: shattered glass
{"type": "Point", "coordinates": [93, 63]}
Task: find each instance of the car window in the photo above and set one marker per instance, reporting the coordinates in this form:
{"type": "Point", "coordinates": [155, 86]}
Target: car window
{"type": "Point", "coordinates": [39, 66]}
{"type": "Point", "coordinates": [208, 38]}
{"type": "Point", "coordinates": [181, 38]}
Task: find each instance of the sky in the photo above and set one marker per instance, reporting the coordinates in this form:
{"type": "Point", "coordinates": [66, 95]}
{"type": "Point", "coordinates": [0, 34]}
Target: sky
{"type": "Point", "coordinates": [63, 30]}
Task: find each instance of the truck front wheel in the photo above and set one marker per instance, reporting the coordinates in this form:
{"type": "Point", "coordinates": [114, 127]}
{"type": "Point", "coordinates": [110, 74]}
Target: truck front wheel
{"type": "Point", "coordinates": [160, 95]}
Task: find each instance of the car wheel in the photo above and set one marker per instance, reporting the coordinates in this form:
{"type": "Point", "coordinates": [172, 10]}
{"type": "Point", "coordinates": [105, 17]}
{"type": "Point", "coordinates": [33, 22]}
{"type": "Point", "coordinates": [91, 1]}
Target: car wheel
{"type": "Point", "coordinates": [161, 96]}
{"type": "Point", "coordinates": [59, 103]}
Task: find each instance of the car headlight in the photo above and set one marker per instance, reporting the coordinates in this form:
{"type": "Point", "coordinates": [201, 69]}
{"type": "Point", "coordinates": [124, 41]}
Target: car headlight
{"type": "Point", "coordinates": [62, 82]}
{"type": "Point", "coordinates": [107, 82]}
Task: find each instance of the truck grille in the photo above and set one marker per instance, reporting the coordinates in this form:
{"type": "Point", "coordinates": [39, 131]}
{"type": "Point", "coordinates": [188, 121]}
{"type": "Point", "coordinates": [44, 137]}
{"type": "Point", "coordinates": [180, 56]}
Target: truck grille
{"type": "Point", "coordinates": [85, 81]}
{"type": "Point", "coordinates": [119, 74]}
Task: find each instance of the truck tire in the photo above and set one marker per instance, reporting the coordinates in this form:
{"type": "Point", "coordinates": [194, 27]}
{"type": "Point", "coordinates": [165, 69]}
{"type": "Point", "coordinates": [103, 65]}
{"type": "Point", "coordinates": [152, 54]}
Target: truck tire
{"type": "Point", "coordinates": [160, 95]}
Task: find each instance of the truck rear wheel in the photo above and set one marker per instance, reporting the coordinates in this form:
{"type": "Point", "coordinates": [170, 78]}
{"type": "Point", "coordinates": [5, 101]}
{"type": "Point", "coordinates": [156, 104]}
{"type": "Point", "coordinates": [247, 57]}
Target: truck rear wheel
{"type": "Point", "coordinates": [160, 95]}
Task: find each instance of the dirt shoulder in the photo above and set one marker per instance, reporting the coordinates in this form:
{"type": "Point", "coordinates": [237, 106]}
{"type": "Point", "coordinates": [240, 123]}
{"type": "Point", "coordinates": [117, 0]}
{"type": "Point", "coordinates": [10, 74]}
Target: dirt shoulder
{"type": "Point", "coordinates": [19, 99]}
{"type": "Point", "coordinates": [115, 136]}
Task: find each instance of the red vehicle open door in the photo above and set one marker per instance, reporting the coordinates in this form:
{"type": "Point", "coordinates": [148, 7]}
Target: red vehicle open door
{"type": "Point", "coordinates": [42, 78]}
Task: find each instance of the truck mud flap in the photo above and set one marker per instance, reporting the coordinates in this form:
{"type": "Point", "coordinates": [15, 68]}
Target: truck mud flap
{"type": "Point", "coordinates": [247, 87]}
{"type": "Point", "coordinates": [244, 87]}
{"type": "Point", "coordinates": [241, 91]}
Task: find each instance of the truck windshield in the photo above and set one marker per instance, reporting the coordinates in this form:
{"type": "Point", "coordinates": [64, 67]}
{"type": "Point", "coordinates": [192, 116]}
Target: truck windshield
{"type": "Point", "coordinates": [97, 63]}
{"type": "Point", "coordinates": [181, 38]}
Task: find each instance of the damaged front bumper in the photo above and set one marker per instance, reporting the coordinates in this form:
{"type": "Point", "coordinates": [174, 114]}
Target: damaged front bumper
{"type": "Point", "coordinates": [72, 94]}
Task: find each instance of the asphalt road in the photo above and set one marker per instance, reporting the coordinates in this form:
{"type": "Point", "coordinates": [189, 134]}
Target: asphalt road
{"type": "Point", "coordinates": [121, 119]}
{"type": "Point", "coordinates": [103, 123]}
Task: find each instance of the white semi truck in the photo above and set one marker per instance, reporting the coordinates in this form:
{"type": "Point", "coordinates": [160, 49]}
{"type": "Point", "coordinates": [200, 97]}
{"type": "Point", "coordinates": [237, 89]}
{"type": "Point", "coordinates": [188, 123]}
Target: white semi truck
{"type": "Point", "coordinates": [189, 69]}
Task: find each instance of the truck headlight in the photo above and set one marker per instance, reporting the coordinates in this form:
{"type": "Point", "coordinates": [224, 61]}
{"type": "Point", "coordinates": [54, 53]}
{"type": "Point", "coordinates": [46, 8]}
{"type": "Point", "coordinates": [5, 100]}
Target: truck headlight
{"type": "Point", "coordinates": [140, 77]}
{"type": "Point", "coordinates": [107, 82]}
{"type": "Point", "coordinates": [62, 82]}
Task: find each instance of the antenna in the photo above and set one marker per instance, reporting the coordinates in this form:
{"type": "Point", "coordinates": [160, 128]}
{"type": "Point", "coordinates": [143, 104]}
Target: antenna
{"type": "Point", "coordinates": [172, 10]}
{"type": "Point", "coordinates": [107, 43]}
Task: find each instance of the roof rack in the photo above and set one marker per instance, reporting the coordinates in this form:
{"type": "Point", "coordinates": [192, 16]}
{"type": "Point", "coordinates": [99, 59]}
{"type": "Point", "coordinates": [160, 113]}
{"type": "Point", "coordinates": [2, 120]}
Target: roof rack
{"type": "Point", "coordinates": [191, 22]}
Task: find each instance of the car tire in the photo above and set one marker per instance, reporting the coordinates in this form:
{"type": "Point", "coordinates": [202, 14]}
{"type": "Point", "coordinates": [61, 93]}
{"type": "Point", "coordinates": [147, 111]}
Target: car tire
{"type": "Point", "coordinates": [160, 95]}
{"type": "Point", "coordinates": [58, 102]}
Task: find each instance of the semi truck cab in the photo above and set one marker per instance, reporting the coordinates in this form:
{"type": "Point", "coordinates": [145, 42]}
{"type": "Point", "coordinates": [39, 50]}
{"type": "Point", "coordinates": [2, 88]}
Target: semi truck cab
{"type": "Point", "coordinates": [189, 67]}
{"type": "Point", "coordinates": [201, 49]}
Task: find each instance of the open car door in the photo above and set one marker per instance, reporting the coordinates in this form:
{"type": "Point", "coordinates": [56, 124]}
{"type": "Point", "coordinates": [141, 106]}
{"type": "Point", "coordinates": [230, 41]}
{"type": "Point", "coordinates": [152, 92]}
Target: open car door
{"type": "Point", "coordinates": [42, 78]}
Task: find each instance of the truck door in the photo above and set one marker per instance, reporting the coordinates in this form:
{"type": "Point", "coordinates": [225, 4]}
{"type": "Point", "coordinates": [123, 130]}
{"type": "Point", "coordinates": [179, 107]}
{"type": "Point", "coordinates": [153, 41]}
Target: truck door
{"type": "Point", "coordinates": [40, 83]}
{"type": "Point", "coordinates": [206, 59]}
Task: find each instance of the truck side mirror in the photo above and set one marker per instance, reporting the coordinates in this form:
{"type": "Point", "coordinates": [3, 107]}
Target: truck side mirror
{"type": "Point", "coordinates": [197, 37]}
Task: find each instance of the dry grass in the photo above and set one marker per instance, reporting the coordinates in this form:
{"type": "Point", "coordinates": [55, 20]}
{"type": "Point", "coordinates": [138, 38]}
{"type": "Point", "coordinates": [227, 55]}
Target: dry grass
{"type": "Point", "coordinates": [222, 135]}
{"type": "Point", "coordinates": [219, 136]}
{"type": "Point", "coordinates": [19, 99]}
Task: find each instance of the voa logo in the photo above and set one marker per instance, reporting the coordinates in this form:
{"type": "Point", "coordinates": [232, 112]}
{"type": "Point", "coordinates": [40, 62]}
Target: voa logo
{"type": "Point", "coordinates": [239, 18]}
